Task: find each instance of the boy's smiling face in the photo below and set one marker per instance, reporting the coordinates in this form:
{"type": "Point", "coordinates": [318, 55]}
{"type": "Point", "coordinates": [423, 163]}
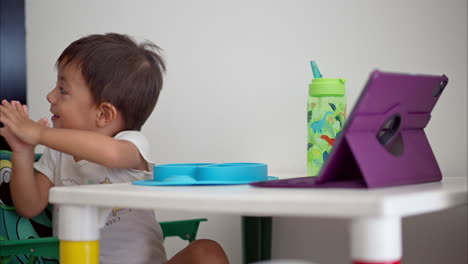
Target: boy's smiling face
{"type": "Point", "coordinates": [71, 102]}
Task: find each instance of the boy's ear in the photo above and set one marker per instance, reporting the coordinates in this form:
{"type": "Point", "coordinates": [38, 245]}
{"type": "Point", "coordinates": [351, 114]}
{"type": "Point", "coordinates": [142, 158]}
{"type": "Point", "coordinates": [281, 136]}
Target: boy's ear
{"type": "Point", "coordinates": [107, 113]}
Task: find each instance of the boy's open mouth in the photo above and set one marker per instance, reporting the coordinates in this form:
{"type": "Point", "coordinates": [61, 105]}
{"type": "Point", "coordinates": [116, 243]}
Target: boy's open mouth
{"type": "Point", "coordinates": [54, 117]}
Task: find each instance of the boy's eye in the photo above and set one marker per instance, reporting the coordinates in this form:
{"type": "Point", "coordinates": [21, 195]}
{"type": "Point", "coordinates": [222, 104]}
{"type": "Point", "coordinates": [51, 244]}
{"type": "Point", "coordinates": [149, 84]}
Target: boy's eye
{"type": "Point", "coordinates": [62, 91]}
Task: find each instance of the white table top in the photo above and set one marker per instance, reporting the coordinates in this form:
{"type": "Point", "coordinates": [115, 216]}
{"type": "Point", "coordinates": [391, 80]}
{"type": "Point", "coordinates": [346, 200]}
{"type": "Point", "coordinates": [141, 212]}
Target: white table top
{"type": "Point", "coordinates": [251, 201]}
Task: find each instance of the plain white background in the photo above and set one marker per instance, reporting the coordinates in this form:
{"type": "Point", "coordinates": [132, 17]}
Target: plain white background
{"type": "Point", "coordinates": [236, 91]}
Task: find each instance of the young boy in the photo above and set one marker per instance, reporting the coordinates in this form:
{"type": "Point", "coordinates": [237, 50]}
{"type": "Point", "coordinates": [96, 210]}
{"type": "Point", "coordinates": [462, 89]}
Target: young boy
{"type": "Point", "coordinates": [107, 86]}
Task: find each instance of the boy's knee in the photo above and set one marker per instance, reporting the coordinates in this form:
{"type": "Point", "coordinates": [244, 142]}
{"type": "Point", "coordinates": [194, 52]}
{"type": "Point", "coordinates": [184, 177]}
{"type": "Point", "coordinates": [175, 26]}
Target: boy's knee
{"type": "Point", "coordinates": [207, 248]}
{"type": "Point", "coordinates": [206, 245]}
{"type": "Point", "coordinates": [201, 251]}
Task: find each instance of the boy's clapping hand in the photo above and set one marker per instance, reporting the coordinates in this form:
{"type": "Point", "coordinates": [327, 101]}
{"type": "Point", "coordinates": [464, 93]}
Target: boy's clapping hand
{"type": "Point", "coordinates": [15, 118]}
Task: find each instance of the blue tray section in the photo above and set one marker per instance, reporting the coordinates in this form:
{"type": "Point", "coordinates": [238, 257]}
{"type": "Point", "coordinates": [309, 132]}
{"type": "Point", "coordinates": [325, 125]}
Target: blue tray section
{"type": "Point", "coordinates": [207, 174]}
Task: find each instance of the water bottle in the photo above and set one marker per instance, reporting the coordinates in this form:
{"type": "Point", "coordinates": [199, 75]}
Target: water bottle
{"type": "Point", "coordinates": [326, 112]}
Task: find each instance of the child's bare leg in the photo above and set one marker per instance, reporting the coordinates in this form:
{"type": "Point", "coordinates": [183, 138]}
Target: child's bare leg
{"type": "Point", "coordinates": [203, 251]}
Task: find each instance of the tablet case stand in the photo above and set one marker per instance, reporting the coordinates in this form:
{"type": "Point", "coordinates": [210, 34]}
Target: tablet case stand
{"type": "Point", "coordinates": [383, 142]}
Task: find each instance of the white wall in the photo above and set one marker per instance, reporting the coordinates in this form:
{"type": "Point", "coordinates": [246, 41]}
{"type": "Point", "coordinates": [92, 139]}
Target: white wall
{"type": "Point", "coordinates": [236, 90]}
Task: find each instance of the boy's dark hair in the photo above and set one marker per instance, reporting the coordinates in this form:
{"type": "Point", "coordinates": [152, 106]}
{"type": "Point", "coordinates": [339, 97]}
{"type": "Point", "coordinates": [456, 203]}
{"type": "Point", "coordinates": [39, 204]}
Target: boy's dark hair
{"type": "Point", "coordinates": [119, 71]}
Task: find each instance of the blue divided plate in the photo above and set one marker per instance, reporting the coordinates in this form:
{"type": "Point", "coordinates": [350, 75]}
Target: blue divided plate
{"type": "Point", "coordinates": [207, 174]}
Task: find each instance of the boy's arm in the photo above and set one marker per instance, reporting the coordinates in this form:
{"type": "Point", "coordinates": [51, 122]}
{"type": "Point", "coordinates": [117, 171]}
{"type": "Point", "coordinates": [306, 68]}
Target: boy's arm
{"type": "Point", "coordinates": [81, 144]}
{"type": "Point", "coordinates": [29, 189]}
{"type": "Point", "coordinates": [94, 147]}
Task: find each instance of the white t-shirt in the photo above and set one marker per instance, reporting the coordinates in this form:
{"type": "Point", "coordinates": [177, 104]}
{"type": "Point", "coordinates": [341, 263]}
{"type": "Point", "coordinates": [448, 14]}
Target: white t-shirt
{"type": "Point", "coordinates": [129, 235]}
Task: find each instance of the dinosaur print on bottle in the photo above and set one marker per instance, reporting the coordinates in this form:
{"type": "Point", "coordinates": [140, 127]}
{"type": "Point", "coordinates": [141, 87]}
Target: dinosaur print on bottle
{"type": "Point", "coordinates": [317, 126]}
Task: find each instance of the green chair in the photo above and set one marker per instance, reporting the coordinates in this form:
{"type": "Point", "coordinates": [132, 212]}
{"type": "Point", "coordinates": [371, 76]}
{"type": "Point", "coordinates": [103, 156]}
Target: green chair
{"type": "Point", "coordinates": [184, 229]}
{"type": "Point", "coordinates": [20, 242]}
{"type": "Point", "coordinates": [24, 240]}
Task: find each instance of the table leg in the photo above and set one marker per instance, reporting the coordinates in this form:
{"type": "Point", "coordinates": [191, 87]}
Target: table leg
{"type": "Point", "coordinates": [256, 238]}
{"type": "Point", "coordinates": [78, 231]}
{"type": "Point", "coordinates": [376, 240]}
{"type": "Point", "coordinates": [79, 252]}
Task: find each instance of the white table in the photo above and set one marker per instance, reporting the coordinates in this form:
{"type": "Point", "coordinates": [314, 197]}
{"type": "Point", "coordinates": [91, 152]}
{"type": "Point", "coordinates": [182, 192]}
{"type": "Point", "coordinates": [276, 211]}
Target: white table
{"type": "Point", "coordinates": [376, 214]}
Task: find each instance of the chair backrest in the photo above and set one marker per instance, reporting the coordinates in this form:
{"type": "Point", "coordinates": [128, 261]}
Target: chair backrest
{"type": "Point", "coordinates": [15, 228]}
{"type": "Point", "coordinates": [184, 229]}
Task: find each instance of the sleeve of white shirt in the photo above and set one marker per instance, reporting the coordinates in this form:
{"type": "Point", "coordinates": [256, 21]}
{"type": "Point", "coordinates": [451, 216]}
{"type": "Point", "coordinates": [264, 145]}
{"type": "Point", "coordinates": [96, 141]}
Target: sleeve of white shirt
{"type": "Point", "coordinates": [140, 141]}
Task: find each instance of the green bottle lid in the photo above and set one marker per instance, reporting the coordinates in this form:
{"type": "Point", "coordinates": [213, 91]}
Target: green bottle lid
{"type": "Point", "coordinates": [327, 87]}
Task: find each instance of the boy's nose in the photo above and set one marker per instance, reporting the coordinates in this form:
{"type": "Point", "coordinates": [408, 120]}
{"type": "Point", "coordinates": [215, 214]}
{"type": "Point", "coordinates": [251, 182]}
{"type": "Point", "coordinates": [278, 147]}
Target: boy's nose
{"type": "Point", "coordinates": [51, 97]}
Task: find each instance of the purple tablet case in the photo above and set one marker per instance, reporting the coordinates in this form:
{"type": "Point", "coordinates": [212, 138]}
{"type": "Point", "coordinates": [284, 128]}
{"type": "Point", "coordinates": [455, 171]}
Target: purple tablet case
{"type": "Point", "coordinates": [383, 141]}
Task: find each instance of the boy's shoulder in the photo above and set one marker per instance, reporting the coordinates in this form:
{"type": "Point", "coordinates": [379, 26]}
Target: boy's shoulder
{"type": "Point", "coordinates": [138, 139]}
{"type": "Point", "coordinates": [129, 134]}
